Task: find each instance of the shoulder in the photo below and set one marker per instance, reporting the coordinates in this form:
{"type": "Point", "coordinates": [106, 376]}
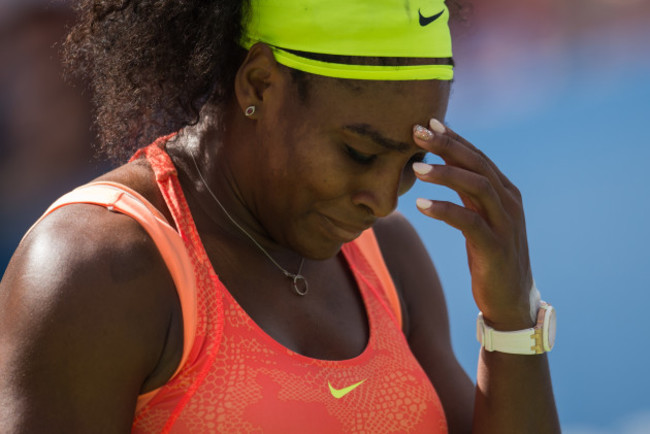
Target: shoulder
{"type": "Point", "coordinates": [84, 312]}
{"type": "Point", "coordinates": [400, 244]}
{"type": "Point", "coordinates": [391, 225]}
{"type": "Point", "coordinates": [428, 330]}
{"type": "Point", "coordinates": [410, 267]}
{"type": "Point", "coordinates": [397, 236]}
{"type": "Point", "coordinates": [139, 176]}
{"type": "Point", "coordinates": [90, 245]}
{"type": "Point", "coordinates": [416, 279]}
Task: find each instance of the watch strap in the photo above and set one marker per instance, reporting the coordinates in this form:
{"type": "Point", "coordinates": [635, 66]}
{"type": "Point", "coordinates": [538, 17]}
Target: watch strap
{"type": "Point", "coordinates": [512, 342]}
{"type": "Point", "coordinates": [534, 340]}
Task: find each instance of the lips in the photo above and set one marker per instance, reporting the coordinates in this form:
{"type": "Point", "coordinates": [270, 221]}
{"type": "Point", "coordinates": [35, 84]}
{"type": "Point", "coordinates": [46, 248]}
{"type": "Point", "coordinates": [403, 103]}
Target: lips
{"type": "Point", "coordinates": [343, 231]}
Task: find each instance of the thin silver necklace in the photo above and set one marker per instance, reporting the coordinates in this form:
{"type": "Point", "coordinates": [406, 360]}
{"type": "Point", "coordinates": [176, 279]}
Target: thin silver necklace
{"type": "Point", "coordinates": [300, 284]}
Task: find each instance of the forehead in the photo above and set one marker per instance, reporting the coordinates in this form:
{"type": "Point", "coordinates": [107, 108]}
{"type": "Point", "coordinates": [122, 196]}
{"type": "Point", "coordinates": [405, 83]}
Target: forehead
{"type": "Point", "coordinates": [390, 107]}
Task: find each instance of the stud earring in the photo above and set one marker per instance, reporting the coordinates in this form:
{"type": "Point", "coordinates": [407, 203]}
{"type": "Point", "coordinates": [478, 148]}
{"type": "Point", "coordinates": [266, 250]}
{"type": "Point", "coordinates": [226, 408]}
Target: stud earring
{"type": "Point", "coordinates": [250, 111]}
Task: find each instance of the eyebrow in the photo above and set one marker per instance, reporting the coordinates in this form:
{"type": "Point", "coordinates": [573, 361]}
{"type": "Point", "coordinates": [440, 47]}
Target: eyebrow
{"type": "Point", "coordinates": [367, 131]}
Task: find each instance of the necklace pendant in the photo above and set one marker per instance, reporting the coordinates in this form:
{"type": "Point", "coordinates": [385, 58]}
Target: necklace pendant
{"type": "Point", "coordinates": [300, 284]}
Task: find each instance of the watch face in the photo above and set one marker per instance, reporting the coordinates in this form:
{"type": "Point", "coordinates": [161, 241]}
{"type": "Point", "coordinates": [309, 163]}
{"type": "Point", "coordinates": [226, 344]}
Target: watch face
{"type": "Point", "coordinates": [550, 326]}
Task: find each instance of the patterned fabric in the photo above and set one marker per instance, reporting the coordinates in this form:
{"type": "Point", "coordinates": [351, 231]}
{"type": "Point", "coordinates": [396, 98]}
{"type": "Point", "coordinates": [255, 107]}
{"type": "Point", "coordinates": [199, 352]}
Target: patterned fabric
{"type": "Point", "coordinates": [237, 379]}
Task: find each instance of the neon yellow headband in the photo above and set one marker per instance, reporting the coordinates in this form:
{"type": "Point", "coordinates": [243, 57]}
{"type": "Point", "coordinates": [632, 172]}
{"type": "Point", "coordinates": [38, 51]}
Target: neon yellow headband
{"type": "Point", "coordinates": [372, 28]}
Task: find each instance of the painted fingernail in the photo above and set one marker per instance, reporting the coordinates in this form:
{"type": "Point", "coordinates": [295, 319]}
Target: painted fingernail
{"type": "Point", "coordinates": [422, 133]}
{"type": "Point", "coordinates": [437, 126]}
{"type": "Point", "coordinates": [423, 203]}
{"type": "Point", "coordinates": [422, 168]}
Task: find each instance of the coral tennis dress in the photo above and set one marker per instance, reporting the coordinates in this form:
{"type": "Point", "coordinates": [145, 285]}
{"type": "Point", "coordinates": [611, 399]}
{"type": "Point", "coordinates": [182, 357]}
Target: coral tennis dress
{"type": "Point", "coordinates": [234, 378]}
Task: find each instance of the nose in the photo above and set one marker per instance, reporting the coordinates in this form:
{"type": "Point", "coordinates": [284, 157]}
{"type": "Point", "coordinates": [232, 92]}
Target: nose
{"type": "Point", "coordinates": [379, 192]}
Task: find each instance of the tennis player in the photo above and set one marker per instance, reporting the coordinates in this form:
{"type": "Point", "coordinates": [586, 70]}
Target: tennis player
{"type": "Point", "coordinates": [247, 271]}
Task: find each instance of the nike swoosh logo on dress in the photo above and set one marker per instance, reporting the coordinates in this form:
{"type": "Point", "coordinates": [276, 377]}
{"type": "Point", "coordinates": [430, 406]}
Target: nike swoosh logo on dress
{"type": "Point", "coordinates": [340, 393]}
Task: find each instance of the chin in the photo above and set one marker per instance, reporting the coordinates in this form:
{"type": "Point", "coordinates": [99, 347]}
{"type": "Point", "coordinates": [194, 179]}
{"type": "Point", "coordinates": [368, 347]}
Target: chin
{"type": "Point", "coordinates": [322, 253]}
{"type": "Point", "coordinates": [322, 240]}
{"type": "Point", "coordinates": [316, 247]}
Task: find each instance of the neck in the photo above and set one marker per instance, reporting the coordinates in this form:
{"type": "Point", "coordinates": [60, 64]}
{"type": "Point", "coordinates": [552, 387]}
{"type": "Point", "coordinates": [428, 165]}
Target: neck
{"type": "Point", "coordinates": [234, 221]}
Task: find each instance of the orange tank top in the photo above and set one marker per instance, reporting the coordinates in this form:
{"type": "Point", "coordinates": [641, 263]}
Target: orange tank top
{"type": "Point", "coordinates": [235, 378]}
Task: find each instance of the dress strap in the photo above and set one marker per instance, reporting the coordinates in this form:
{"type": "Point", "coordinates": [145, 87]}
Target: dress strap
{"type": "Point", "coordinates": [369, 247]}
{"type": "Point", "coordinates": [120, 198]}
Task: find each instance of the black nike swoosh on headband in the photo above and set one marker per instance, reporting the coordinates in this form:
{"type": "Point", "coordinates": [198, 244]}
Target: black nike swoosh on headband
{"type": "Point", "coordinates": [425, 21]}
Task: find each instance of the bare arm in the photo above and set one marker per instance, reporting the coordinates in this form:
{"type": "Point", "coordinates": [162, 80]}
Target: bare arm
{"type": "Point", "coordinates": [84, 317]}
{"type": "Point", "coordinates": [514, 393]}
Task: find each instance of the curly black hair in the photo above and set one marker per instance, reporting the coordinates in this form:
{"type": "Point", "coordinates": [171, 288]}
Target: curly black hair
{"type": "Point", "coordinates": [153, 64]}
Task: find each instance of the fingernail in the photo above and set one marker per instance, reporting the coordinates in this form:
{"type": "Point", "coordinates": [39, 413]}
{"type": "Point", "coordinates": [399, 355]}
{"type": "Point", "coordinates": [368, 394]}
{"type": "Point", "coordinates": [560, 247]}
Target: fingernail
{"type": "Point", "coordinates": [437, 126]}
{"type": "Point", "coordinates": [423, 203]}
{"type": "Point", "coordinates": [422, 168]}
{"type": "Point", "coordinates": [422, 133]}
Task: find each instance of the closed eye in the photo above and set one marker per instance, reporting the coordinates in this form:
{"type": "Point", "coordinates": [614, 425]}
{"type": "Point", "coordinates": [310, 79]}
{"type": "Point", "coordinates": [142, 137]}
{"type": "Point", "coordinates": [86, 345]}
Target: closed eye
{"type": "Point", "coordinates": [359, 157]}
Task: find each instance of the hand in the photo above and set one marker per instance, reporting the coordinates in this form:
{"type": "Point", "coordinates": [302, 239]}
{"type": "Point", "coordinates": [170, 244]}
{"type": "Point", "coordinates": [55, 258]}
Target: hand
{"type": "Point", "coordinates": [491, 220]}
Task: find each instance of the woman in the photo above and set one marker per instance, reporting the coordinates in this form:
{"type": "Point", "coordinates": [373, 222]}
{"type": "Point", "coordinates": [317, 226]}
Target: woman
{"type": "Point", "coordinates": [287, 154]}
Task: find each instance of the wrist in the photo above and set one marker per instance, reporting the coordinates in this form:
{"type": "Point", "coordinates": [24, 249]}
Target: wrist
{"type": "Point", "coordinates": [516, 319]}
{"type": "Point", "coordinates": [512, 323]}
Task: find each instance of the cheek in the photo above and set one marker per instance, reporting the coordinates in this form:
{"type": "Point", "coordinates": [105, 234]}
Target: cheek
{"type": "Point", "coordinates": [325, 179]}
{"type": "Point", "coordinates": [307, 175]}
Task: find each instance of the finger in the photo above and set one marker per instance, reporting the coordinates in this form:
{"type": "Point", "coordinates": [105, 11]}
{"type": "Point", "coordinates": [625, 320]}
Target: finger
{"type": "Point", "coordinates": [471, 224]}
{"type": "Point", "coordinates": [469, 185]}
{"type": "Point", "coordinates": [461, 154]}
{"type": "Point", "coordinates": [439, 128]}
{"type": "Point", "coordinates": [454, 152]}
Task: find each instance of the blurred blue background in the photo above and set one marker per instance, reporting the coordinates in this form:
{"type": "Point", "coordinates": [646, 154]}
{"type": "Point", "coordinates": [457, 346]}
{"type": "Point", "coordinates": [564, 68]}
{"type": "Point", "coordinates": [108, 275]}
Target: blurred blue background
{"type": "Point", "coordinates": [556, 93]}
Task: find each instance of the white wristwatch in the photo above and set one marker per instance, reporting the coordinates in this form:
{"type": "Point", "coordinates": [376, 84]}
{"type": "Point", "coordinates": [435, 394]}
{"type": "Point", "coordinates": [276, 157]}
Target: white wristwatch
{"type": "Point", "coordinates": [537, 340]}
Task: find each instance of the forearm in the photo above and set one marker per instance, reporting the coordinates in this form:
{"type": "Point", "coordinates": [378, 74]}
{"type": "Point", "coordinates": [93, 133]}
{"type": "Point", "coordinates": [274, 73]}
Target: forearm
{"type": "Point", "coordinates": [514, 392]}
{"type": "Point", "coordinates": [514, 395]}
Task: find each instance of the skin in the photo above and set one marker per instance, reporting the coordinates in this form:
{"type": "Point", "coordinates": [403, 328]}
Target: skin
{"type": "Point", "coordinates": [302, 178]}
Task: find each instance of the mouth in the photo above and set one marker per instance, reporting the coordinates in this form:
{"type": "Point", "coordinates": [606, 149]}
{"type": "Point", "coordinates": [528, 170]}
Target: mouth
{"type": "Point", "coordinates": [342, 231]}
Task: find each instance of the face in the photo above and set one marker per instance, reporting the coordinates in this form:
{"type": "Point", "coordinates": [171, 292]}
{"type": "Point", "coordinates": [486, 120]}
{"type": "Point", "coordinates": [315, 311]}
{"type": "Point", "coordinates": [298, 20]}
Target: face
{"type": "Point", "coordinates": [327, 167]}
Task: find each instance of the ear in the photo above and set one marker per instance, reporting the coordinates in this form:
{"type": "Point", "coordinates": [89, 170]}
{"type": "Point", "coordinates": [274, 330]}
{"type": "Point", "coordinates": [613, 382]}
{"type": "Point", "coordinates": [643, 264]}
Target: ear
{"type": "Point", "coordinates": [255, 77]}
